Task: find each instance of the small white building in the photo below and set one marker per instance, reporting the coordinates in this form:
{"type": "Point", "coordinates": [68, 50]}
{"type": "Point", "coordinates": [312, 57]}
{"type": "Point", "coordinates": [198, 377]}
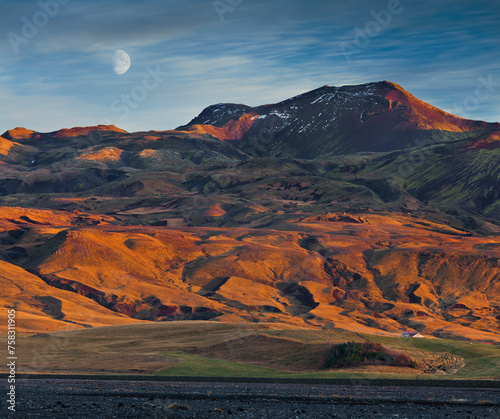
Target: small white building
{"type": "Point", "coordinates": [410, 334]}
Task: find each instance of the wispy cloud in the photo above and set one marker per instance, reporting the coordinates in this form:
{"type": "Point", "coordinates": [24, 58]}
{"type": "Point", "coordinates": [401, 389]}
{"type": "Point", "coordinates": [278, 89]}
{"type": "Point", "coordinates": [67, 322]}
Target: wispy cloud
{"type": "Point", "coordinates": [263, 51]}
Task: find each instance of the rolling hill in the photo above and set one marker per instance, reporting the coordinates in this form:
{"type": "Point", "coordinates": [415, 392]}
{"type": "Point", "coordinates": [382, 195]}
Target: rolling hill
{"type": "Point", "coordinates": [359, 207]}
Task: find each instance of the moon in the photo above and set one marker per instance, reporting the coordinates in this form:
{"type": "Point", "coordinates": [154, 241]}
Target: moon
{"type": "Point", "coordinates": [121, 62]}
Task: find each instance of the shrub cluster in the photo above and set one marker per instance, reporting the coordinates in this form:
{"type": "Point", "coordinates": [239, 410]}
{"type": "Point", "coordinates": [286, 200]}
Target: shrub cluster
{"type": "Point", "coordinates": [351, 354]}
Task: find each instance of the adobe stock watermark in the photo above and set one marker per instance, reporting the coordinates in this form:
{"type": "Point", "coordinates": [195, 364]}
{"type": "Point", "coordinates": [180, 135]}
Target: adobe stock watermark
{"type": "Point", "coordinates": [43, 357]}
{"type": "Point", "coordinates": [258, 143]}
{"type": "Point", "coordinates": [415, 159]}
{"type": "Point", "coordinates": [138, 94]}
{"type": "Point", "coordinates": [484, 89]}
{"type": "Point", "coordinates": [11, 359]}
{"type": "Point", "coordinates": [225, 6]}
{"type": "Point", "coordinates": [362, 37]}
{"type": "Point", "coordinates": [127, 102]}
{"type": "Point", "coordinates": [40, 19]}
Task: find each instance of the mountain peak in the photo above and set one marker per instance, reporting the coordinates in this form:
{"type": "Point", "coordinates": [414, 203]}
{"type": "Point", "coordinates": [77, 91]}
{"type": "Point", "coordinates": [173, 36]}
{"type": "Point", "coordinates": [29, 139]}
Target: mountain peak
{"type": "Point", "coordinates": [329, 121]}
{"type": "Point", "coordinates": [78, 131]}
{"type": "Point", "coordinates": [18, 133]}
{"type": "Point", "coordinates": [393, 85]}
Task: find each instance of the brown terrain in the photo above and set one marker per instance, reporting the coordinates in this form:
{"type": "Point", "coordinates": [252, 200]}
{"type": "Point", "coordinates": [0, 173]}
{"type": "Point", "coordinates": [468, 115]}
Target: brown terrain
{"type": "Point", "coordinates": [249, 215]}
{"type": "Point", "coordinates": [368, 273]}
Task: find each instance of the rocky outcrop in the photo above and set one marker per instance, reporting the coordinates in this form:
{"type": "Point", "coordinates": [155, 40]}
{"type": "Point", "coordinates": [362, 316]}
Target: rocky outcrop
{"type": "Point", "coordinates": [442, 363]}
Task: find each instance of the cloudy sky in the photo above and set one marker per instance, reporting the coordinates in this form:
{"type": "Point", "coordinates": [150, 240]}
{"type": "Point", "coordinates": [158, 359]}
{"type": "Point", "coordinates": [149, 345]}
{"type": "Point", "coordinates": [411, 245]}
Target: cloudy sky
{"type": "Point", "coordinates": [56, 69]}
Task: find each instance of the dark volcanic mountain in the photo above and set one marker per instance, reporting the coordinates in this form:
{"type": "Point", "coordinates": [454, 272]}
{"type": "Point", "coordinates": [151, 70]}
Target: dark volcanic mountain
{"type": "Point", "coordinates": [358, 207]}
{"type": "Point", "coordinates": [332, 121]}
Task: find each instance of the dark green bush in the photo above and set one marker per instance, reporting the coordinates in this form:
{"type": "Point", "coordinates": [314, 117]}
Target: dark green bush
{"type": "Point", "coordinates": [352, 354]}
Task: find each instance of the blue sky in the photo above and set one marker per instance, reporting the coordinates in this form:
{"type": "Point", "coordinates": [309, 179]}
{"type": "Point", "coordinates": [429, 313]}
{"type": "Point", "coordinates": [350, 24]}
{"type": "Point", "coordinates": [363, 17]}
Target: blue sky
{"type": "Point", "coordinates": [56, 69]}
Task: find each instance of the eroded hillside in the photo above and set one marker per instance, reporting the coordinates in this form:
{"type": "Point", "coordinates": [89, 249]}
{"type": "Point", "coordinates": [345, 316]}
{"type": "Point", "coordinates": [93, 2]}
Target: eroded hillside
{"type": "Point", "coordinates": [99, 226]}
{"type": "Point", "coordinates": [362, 272]}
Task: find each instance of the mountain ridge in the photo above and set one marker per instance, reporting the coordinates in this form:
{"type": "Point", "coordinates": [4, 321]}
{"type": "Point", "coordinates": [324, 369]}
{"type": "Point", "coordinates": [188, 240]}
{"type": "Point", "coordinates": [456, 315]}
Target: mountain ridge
{"type": "Point", "coordinates": [379, 116]}
{"type": "Point", "coordinates": [229, 121]}
{"type": "Point", "coordinates": [271, 222]}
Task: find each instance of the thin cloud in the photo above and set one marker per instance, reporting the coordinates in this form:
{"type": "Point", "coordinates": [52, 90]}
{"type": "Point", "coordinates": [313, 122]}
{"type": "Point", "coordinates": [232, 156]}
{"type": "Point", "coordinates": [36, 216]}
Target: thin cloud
{"type": "Point", "coordinates": [261, 52]}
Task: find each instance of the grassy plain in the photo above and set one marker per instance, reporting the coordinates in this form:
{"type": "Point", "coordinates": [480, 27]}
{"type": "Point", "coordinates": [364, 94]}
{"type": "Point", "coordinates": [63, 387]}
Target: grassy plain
{"type": "Point", "coordinates": [201, 348]}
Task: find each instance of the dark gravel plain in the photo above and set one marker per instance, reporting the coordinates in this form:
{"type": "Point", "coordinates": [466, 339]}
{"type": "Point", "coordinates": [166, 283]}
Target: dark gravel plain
{"type": "Point", "coordinates": [97, 398]}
